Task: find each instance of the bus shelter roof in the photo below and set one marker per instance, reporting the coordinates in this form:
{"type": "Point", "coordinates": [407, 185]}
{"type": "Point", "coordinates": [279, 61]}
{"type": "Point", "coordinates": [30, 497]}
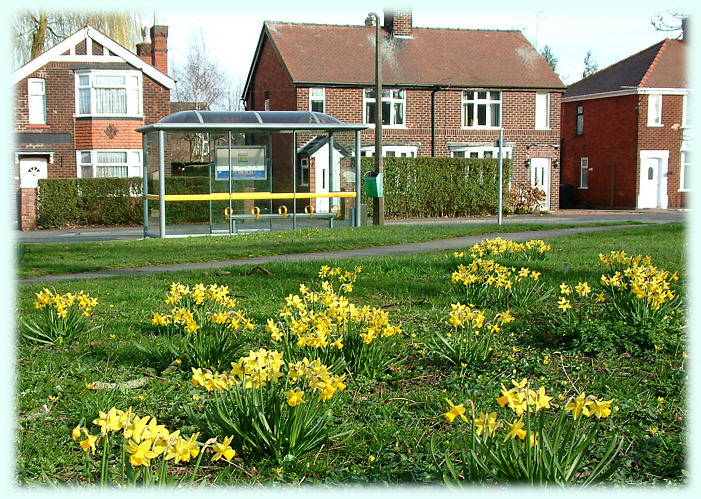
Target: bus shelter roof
{"type": "Point", "coordinates": [250, 121]}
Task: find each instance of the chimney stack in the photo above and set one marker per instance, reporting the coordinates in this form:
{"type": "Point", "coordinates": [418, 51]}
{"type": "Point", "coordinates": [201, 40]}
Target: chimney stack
{"type": "Point", "coordinates": [155, 52]}
{"type": "Point", "coordinates": [685, 30]}
{"type": "Point", "coordinates": [398, 22]}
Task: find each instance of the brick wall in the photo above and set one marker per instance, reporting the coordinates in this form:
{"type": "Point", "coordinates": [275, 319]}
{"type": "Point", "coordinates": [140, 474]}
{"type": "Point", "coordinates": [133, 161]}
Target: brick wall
{"type": "Point", "coordinates": [615, 131]}
{"type": "Point", "coordinates": [28, 209]}
{"type": "Point", "coordinates": [518, 115]}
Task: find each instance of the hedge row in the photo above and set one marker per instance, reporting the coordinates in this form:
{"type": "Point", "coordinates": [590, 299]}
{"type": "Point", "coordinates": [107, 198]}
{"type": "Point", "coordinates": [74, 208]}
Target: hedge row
{"type": "Point", "coordinates": [437, 187]}
{"type": "Point", "coordinates": [69, 202]}
{"type": "Point", "coordinates": [413, 187]}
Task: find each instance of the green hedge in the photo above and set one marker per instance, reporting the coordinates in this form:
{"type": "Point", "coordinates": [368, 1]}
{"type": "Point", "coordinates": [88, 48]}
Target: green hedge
{"type": "Point", "coordinates": [89, 201]}
{"type": "Point", "coordinates": [436, 187]}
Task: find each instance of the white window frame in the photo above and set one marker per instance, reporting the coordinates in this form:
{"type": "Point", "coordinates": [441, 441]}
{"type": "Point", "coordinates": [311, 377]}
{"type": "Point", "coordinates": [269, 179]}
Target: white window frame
{"type": "Point", "coordinates": [542, 110]}
{"type": "Point", "coordinates": [133, 86]}
{"type": "Point", "coordinates": [304, 171]}
{"type": "Point", "coordinates": [685, 110]}
{"type": "Point", "coordinates": [394, 151]}
{"type": "Point", "coordinates": [36, 101]}
{"type": "Point", "coordinates": [133, 163]}
{"type": "Point", "coordinates": [480, 152]}
{"type": "Point", "coordinates": [584, 173]}
{"type": "Point", "coordinates": [683, 165]}
{"type": "Point", "coordinates": [474, 99]}
{"type": "Point", "coordinates": [319, 97]}
{"type": "Point", "coordinates": [393, 97]}
{"type": "Point", "coordinates": [654, 110]}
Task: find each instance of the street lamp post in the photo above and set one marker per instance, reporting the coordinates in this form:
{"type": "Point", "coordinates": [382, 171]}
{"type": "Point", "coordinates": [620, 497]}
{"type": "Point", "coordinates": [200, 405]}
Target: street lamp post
{"type": "Point", "coordinates": [379, 202]}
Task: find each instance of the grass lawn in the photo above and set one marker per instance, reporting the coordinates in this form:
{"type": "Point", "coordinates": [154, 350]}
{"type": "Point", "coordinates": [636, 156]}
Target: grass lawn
{"type": "Point", "coordinates": [391, 423]}
{"type": "Point", "coordinates": [59, 258]}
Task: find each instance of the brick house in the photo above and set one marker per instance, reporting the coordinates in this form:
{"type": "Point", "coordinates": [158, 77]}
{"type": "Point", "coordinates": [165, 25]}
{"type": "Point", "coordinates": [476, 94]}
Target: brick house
{"type": "Point", "coordinates": [77, 106]}
{"type": "Point", "coordinates": [625, 136]}
{"type": "Point", "coordinates": [446, 91]}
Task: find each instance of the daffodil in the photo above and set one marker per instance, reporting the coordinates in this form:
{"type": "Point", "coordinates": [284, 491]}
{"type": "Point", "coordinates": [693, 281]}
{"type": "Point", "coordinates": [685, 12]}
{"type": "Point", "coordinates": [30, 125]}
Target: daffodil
{"type": "Point", "coordinates": [601, 408]}
{"type": "Point", "coordinates": [455, 410]}
{"type": "Point", "coordinates": [224, 450]}
{"type": "Point", "coordinates": [578, 406]}
{"type": "Point", "coordinates": [295, 397]}
{"type": "Point", "coordinates": [486, 422]}
{"type": "Point", "coordinates": [140, 454]}
{"type": "Point", "coordinates": [516, 430]}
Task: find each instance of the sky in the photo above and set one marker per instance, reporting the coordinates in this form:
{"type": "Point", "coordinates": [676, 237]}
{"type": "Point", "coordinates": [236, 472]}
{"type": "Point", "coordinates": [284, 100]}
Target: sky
{"type": "Point", "coordinates": [611, 30]}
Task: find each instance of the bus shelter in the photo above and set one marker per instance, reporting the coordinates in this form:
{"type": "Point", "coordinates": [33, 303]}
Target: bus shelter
{"type": "Point", "coordinates": [216, 172]}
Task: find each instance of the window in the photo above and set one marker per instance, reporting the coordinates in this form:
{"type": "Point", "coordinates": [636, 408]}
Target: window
{"type": "Point", "coordinates": [109, 163]}
{"type": "Point", "coordinates": [685, 111]}
{"type": "Point", "coordinates": [584, 173]}
{"type": "Point", "coordinates": [317, 100]}
{"type": "Point", "coordinates": [108, 93]}
{"type": "Point", "coordinates": [391, 151]}
{"type": "Point", "coordinates": [36, 101]}
{"type": "Point", "coordinates": [304, 171]}
{"type": "Point", "coordinates": [542, 111]}
{"type": "Point", "coordinates": [481, 108]}
{"type": "Point", "coordinates": [684, 180]}
{"type": "Point", "coordinates": [393, 105]}
{"type": "Point", "coordinates": [654, 110]}
{"type": "Point", "coordinates": [481, 152]}
{"type": "Point", "coordinates": [580, 120]}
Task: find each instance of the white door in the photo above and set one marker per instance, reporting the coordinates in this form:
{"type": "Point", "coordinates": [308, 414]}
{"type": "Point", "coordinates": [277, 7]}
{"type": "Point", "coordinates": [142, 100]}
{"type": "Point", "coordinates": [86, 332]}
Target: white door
{"type": "Point", "coordinates": [31, 170]}
{"type": "Point", "coordinates": [540, 178]}
{"type": "Point", "coordinates": [653, 182]}
{"type": "Point", "coordinates": [322, 180]}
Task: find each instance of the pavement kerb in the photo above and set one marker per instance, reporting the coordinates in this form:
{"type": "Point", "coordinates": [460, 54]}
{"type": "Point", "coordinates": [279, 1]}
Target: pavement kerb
{"type": "Point", "coordinates": [375, 251]}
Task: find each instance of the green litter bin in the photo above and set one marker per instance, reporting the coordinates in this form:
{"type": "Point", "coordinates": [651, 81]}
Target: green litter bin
{"type": "Point", "coordinates": [373, 184]}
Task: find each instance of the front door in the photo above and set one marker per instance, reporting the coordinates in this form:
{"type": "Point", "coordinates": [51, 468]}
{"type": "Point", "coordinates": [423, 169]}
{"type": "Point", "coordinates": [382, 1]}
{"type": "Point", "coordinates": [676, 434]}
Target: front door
{"type": "Point", "coordinates": [540, 178]}
{"type": "Point", "coordinates": [30, 171]}
{"type": "Point", "coordinates": [653, 182]}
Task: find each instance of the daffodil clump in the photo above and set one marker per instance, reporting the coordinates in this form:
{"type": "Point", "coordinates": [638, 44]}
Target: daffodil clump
{"type": "Point", "coordinates": [204, 325]}
{"type": "Point", "coordinates": [471, 338]}
{"type": "Point", "coordinates": [270, 406]}
{"type": "Point", "coordinates": [148, 445]}
{"type": "Point", "coordinates": [533, 439]}
{"type": "Point", "coordinates": [531, 250]}
{"type": "Point", "coordinates": [64, 317]}
{"type": "Point", "coordinates": [577, 303]}
{"type": "Point", "coordinates": [324, 323]}
{"type": "Point", "coordinates": [485, 281]}
{"type": "Point", "coordinates": [636, 290]}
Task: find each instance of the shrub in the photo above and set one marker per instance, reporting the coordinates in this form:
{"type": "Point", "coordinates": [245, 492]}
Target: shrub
{"type": "Point", "coordinates": [525, 198]}
{"type": "Point", "coordinates": [436, 187]}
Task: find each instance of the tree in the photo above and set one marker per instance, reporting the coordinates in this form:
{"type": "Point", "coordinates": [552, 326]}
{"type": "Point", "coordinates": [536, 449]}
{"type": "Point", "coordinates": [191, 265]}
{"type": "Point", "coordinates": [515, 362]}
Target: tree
{"type": "Point", "coordinates": [590, 65]}
{"type": "Point", "coordinates": [36, 31]}
{"type": "Point", "coordinates": [199, 79]}
{"type": "Point", "coordinates": [549, 57]}
{"type": "Point", "coordinates": [661, 22]}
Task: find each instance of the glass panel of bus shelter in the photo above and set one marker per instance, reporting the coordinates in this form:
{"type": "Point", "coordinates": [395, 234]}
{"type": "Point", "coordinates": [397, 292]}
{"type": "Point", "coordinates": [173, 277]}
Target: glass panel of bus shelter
{"type": "Point", "coordinates": [152, 228]}
{"type": "Point", "coordinates": [186, 166]}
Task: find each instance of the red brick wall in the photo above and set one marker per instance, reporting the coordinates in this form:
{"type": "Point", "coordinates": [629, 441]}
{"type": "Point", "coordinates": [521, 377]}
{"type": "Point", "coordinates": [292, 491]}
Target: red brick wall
{"type": "Point", "coordinates": [615, 131]}
{"type": "Point", "coordinates": [28, 208]}
{"type": "Point", "coordinates": [271, 79]}
{"type": "Point", "coordinates": [518, 114]}
{"type": "Point", "coordinates": [668, 137]}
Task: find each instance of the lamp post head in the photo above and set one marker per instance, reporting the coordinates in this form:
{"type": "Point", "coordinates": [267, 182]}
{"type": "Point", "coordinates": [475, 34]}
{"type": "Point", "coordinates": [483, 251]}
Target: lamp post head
{"type": "Point", "coordinates": [372, 19]}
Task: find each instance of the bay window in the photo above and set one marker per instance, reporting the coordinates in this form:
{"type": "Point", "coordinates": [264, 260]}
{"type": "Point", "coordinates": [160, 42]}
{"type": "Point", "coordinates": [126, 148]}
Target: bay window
{"type": "Point", "coordinates": [109, 163]}
{"type": "Point", "coordinates": [108, 93]}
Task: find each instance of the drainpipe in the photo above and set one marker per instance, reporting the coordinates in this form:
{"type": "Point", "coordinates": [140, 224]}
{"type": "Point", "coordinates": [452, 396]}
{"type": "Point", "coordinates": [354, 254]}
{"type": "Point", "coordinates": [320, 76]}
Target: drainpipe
{"type": "Point", "coordinates": [433, 121]}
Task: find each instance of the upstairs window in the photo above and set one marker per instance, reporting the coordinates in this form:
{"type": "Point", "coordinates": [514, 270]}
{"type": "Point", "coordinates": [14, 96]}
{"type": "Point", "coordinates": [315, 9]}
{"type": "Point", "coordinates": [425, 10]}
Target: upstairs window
{"type": "Point", "coordinates": [108, 93]}
{"type": "Point", "coordinates": [580, 120]}
{"type": "Point", "coordinates": [393, 106]}
{"type": "Point", "coordinates": [542, 111]}
{"type": "Point", "coordinates": [481, 109]}
{"type": "Point", "coordinates": [36, 101]}
{"type": "Point", "coordinates": [317, 100]}
{"type": "Point", "coordinates": [654, 110]}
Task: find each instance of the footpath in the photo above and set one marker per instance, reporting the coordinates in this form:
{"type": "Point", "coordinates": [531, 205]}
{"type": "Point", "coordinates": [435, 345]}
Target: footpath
{"type": "Point", "coordinates": [376, 251]}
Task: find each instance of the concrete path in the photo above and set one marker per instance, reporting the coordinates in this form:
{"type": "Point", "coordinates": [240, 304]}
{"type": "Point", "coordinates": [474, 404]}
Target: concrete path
{"type": "Point", "coordinates": [557, 217]}
{"type": "Point", "coordinates": [377, 251]}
